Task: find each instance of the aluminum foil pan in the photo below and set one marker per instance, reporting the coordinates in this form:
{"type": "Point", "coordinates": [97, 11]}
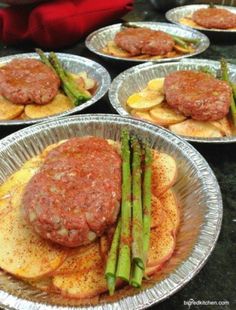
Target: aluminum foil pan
{"type": "Point", "coordinates": [136, 78]}
{"type": "Point", "coordinates": [197, 191]}
{"type": "Point", "coordinates": [74, 64]}
{"type": "Point", "coordinates": [98, 39]}
{"type": "Point", "coordinates": [175, 14]}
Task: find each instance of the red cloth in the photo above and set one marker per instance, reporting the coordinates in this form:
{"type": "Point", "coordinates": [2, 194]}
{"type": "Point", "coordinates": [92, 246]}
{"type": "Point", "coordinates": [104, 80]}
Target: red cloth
{"type": "Point", "coordinates": [58, 23]}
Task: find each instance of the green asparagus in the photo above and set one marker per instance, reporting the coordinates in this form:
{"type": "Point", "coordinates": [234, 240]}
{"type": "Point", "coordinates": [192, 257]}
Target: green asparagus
{"type": "Point", "coordinates": [137, 216]}
{"type": "Point", "coordinates": [225, 77]}
{"type": "Point", "coordinates": [124, 258]}
{"type": "Point", "coordinates": [68, 83]}
{"type": "Point", "coordinates": [110, 272]}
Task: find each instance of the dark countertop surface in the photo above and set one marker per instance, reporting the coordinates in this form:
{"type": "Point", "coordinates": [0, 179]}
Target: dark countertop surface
{"type": "Point", "coordinates": [217, 280]}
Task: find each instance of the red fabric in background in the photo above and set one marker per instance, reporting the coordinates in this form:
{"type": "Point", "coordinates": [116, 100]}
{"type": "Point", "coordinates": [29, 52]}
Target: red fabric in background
{"type": "Point", "coordinates": [58, 23]}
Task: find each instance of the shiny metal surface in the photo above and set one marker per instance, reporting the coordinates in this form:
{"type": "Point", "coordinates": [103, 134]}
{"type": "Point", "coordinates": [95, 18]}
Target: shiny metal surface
{"type": "Point", "coordinates": [175, 14]}
{"type": "Point", "coordinates": [136, 78]}
{"type": "Point", "coordinates": [196, 188]}
{"type": "Point", "coordinates": [99, 38]}
{"type": "Point", "coordinates": [73, 64]}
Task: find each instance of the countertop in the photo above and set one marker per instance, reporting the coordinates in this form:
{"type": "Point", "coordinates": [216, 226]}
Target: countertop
{"type": "Point", "coordinates": [217, 280]}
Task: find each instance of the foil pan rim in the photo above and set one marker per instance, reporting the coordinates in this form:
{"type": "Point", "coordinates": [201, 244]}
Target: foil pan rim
{"type": "Point", "coordinates": [112, 93]}
{"type": "Point", "coordinates": [105, 81]}
{"type": "Point", "coordinates": [170, 16]}
{"type": "Point", "coordinates": [210, 228]}
{"type": "Point", "coordinates": [204, 41]}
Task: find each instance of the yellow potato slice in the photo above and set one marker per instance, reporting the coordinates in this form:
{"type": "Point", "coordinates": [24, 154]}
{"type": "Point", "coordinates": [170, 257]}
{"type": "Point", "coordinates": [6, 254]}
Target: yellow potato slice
{"type": "Point", "coordinates": [170, 207]}
{"type": "Point", "coordinates": [162, 242]}
{"type": "Point", "coordinates": [193, 128]}
{"type": "Point", "coordinates": [82, 284]}
{"type": "Point", "coordinates": [223, 125]}
{"type": "Point", "coordinates": [156, 212]}
{"type": "Point", "coordinates": [156, 84]}
{"type": "Point", "coordinates": [22, 252]}
{"type": "Point", "coordinates": [59, 104]}
{"type": "Point", "coordinates": [80, 259]}
{"type": "Point", "coordinates": [9, 110]}
{"type": "Point", "coordinates": [114, 50]}
{"type": "Point", "coordinates": [165, 116]}
{"type": "Point", "coordinates": [164, 172]}
{"type": "Point", "coordinates": [145, 100]}
{"type": "Point", "coordinates": [88, 82]}
{"type": "Point", "coordinates": [183, 50]}
{"type": "Point", "coordinates": [144, 115]}
{"type": "Point", "coordinates": [187, 21]}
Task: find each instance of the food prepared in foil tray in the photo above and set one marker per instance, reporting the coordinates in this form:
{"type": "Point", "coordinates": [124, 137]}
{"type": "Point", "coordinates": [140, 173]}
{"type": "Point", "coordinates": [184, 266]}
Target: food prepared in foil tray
{"type": "Point", "coordinates": [66, 221]}
{"type": "Point", "coordinates": [31, 88]}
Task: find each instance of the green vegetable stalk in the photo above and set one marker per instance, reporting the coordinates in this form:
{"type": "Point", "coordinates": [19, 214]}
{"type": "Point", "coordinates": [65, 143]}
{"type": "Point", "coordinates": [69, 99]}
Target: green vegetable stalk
{"type": "Point", "coordinates": [225, 77]}
{"type": "Point", "coordinates": [124, 258]}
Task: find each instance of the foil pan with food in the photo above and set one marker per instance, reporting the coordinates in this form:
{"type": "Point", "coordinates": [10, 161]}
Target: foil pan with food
{"type": "Point", "coordinates": [192, 98]}
{"type": "Point", "coordinates": [67, 232]}
{"type": "Point", "coordinates": [36, 87]}
{"type": "Point", "coordinates": [146, 41]}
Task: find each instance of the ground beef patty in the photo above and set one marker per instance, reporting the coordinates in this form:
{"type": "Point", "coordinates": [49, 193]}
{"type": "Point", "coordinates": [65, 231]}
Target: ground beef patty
{"type": "Point", "coordinates": [138, 41]}
{"type": "Point", "coordinates": [26, 81]}
{"type": "Point", "coordinates": [214, 18]}
{"type": "Point", "coordinates": [197, 94]}
{"type": "Point", "coordinates": [76, 194]}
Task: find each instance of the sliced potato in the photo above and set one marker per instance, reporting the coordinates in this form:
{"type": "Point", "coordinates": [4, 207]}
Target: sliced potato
{"type": "Point", "coordinates": [59, 104]}
{"type": "Point", "coordinates": [22, 252]}
{"type": "Point", "coordinates": [44, 284]}
{"type": "Point", "coordinates": [183, 50]}
{"type": "Point", "coordinates": [9, 110]}
{"type": "Point", "coordinates": [164, 172]}
{"type": "Point", "coordinates": [144, 115]}
{"type": "Point", "coordinates": [156, 212]}
{"type": "Point", "coordinates": [187, 21]}
{"type": "Point", "coordinates": [165, 116]}
{"type": "Point", "coordinates": [170, 207]}
{"type": "Point", "coordinates": [82, 284]}
{"type": "Point", "coordinates": [81, 260]}
{"type": "Point", "coordinates": [193, 128]}
{"type": "Point", "coordinates": [88, 83]}
{"type": "Point", "coordinates": [113, 49]}
{"type": "Point", "coordinates": [144, 100]}
{"type": "Point", "coordinates": [156, 84]}
{"type": "Point", "coordinates": [162, 242]}
{"type": "Point", "coordinates": [223, 125]}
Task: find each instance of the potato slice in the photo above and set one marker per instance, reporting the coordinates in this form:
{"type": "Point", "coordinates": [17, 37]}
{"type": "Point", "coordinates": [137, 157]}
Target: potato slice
{"type": "Point", "coordinates": [193, 128]}
{"type": "Point", "coordinates": [82, 284]}
{"type": "Point", "coordinates": [223, 125]}
{"type": "Point", "coordinates": [156, 84]}
{"type": "Point", "coordinates": [59, 104]}
{"type": "Point", "coordinates": [145, 100]}
{"type": "Point", "coordinates": [144, 115]}
{"type": "Point", "coordinates": [162, 242]}
{"type": "Point", "coordinates": [44, 284]}
{"type": "Point", "coordinates": [22, 252]}
{"type": "Point", "coordinates": [156, 212]}
{"type": "Point", "coordinates": [81, 260]}
{"type": "Point", "coordinates": [166, 116]}
{"type": "Point", "coordinates": [164, 172]}
{"type": "Point", "coordinates": [170, 207]}
{"type": "Point", "coordinates": [88, 83]}
{"type": "Point", "coordinates": [183, 50]}
{"type": "Point", "coordinates": [113, 49]}
{"type": "Point", "coordinates": [9, 110]}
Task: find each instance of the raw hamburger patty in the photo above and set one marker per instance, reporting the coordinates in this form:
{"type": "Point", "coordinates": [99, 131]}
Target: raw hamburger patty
{"type": "Point", "coordinates": [138, 41]}
{"type": "Point", "coordinates": [198, 95]}
{"type": "Point", "coordinates": [214, 18]}
{"type": "Point", "coordinates": [76, 194]}
{"type": "Point", "coordinates": [26, 81]}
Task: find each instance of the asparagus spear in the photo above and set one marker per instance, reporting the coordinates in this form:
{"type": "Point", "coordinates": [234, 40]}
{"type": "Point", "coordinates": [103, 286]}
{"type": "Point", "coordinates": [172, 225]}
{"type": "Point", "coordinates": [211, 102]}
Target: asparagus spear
{"type": "Point", "coordinates": [147, 194]}
{"type": "Point", "coordinates": [179, 40]}
{"type": "Point", "coordinates": [225, 77]}
{"type": "Point", "coordinates": [110, 272]}
{"type": "Point", "coordinates": [44, 59]}
{"type": "Point", "coordinates": [137, 217]}
{"type": "Point", "coordinates": [68, 83]}
{"type": "Point", "coordinates": [124, 259]}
